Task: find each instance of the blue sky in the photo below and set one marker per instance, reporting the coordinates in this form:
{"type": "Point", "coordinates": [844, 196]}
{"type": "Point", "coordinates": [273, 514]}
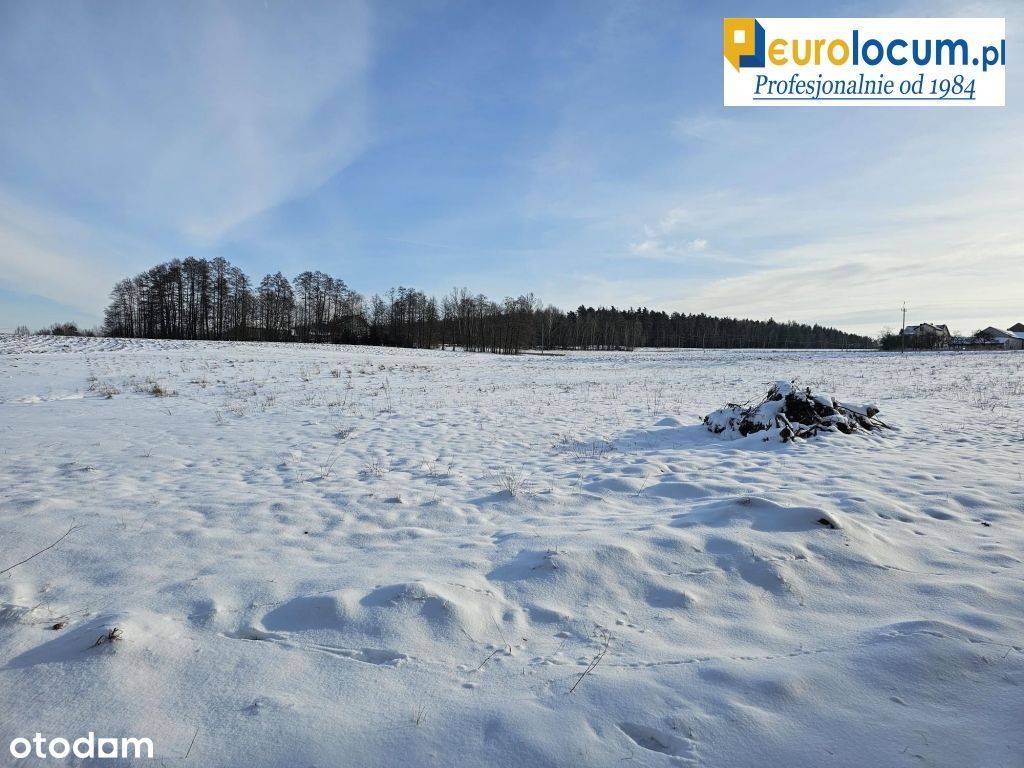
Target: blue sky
{"type": "Point", "coordinates": [578, 150]}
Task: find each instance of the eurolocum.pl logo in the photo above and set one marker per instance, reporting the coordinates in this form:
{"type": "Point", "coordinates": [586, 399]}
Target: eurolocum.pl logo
{"type": "Point", "coordinates": [872, 62]}
{"type": "Point", "coordinates": [744, 43]}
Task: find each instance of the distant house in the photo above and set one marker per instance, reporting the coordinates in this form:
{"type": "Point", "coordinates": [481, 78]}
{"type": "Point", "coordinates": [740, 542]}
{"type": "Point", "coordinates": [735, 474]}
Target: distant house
{"type": "Point", "coordinates": [1004, 339]}
{"type": "Point", "coordinates": [1018, 328]}
{"type": "Point", "coordinates": [927, 335]}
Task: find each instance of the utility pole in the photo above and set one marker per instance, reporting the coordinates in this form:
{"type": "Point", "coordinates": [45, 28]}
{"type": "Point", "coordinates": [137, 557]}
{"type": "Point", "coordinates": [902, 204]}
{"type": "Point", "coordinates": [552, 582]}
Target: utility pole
{"type": "Point", "coordinates": [903, 331]}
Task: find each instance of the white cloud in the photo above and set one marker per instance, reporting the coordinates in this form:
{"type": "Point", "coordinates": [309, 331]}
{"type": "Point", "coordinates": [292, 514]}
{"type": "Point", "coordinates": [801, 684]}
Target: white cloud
{"type": "Point", "coordinates": [706, 127]}
{"type": "Point", "coordinates": [671, 221]}
{"type": "Point", "coordinates": [665, 240]}
{"type": "Point", "coordinates": [662, 248]}
{"type": "Point", "coordinates": [645, 248]}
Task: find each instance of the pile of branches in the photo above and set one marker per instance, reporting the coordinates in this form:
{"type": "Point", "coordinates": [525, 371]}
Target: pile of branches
{"type": "Point", "coordinates": [789, 412]}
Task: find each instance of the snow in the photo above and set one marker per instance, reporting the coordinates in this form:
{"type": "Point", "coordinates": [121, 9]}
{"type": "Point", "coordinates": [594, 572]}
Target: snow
{"type": "Point", "coordinates": [314, 557]}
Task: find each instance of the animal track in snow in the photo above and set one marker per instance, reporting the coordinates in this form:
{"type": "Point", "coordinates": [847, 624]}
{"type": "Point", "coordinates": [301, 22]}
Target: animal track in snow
{"type": "Point", "coordinates": [683, 750]}
{"type": "Point", "coordinates": [379, 657]}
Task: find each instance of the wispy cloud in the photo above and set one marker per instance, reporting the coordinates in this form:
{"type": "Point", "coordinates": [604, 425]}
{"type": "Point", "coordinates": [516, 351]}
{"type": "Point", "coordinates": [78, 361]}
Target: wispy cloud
{"type": "Point", "coordinates": [63, 259]}
{"type": "Point", "coordinates": [192, 117]}
{"type": "Point", "coordinates": [703, 126]}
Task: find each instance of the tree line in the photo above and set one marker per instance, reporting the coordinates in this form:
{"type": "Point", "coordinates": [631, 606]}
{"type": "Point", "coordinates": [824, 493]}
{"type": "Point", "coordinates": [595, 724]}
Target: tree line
{"type": "Point", "coordinates": [212, 299]}
{"type": "Point", "coordinates": [890, 341]}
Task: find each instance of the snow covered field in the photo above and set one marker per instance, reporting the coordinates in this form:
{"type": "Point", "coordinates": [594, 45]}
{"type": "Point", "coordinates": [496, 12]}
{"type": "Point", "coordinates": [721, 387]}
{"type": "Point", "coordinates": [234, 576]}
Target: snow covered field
{"type": "Point", "coordinates": [337, 556]}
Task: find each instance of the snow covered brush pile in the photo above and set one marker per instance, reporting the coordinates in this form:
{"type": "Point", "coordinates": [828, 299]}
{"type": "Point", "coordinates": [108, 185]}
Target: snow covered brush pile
{"type": "Point", "coordinates": [790, 412]}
